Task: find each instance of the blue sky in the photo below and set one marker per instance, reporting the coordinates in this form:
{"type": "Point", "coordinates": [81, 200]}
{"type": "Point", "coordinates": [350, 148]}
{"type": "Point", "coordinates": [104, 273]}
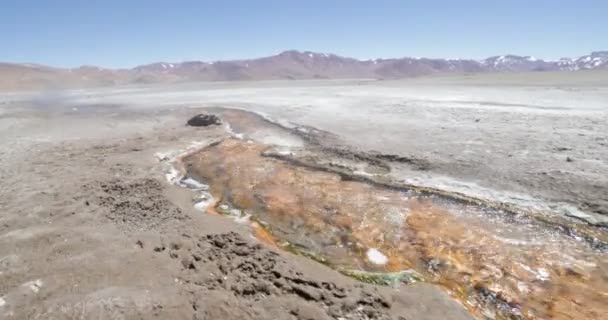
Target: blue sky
{"type": "Point", "coordinates": [130, 32]}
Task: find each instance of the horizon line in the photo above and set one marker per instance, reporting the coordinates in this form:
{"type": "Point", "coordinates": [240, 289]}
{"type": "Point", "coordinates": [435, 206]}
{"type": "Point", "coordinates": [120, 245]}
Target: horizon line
{"type": "Point", "coordinates": [37, 64]}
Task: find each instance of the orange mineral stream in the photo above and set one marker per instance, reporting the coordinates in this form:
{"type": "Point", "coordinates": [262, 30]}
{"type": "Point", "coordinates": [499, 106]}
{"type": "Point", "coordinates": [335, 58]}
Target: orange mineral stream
{"type": "Point", "coordinates": [498, 265]}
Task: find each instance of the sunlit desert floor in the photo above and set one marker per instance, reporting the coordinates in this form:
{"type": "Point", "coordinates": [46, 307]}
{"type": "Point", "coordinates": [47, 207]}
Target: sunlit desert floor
{"type": "Point", "coordinates": [485, 192]}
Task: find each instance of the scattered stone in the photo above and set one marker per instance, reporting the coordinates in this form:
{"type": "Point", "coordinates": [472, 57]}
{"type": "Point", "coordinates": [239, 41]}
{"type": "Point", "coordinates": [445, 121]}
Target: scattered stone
{"type": "Point", "coordinates": [376, 257]}
{"type": "Point", "coordinates": [568, 159]}
{"type": "Point", "coordinates": [34, 285]}
{"type": "Point", "coordinates": [191, 183]}
{"type": "Point", "coordinates": [161, 156]}
{"type": "Point", "coordinates": [204, 120]}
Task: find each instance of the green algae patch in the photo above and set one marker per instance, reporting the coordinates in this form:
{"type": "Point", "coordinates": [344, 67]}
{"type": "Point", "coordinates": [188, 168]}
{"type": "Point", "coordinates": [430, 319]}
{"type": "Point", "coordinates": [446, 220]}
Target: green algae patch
{"type": "Point", "coordinates": [391, 279]}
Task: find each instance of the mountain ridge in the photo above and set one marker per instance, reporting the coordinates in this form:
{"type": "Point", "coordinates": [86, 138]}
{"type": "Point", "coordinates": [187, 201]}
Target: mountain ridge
{"type": "Point", "coordinates": [601, 58]}
{"type": "Point", "coordinates": [289, 64]}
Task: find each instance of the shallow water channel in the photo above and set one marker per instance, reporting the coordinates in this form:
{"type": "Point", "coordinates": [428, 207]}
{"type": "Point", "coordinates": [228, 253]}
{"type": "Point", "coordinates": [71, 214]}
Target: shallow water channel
{"type": "Point", "coordinates": [498, 264]}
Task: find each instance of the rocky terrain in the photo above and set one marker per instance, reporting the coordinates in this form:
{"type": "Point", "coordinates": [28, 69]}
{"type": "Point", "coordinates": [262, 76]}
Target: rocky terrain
{"type": "Point", "coordinates": [286, 65]}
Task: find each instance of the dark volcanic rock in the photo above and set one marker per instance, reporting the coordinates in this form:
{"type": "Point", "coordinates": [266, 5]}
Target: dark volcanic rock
{"type": "Point", "coordinates": [203, 120]}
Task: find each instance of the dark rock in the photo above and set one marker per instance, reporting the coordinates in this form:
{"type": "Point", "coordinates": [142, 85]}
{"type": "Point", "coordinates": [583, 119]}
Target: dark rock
{"type": "Point", "coordinates": [203, 120]}
{"type": "Point", "coordinates": [306, 292]}
{"type": "Point", "coordinates": [309, 312]}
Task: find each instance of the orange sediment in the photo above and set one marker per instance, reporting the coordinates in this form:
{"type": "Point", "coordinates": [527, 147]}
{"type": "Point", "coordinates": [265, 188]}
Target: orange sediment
{"type": "Point", "coordinates": [263, 235]}
{"type": "Point", "coordinates": [495, 265]}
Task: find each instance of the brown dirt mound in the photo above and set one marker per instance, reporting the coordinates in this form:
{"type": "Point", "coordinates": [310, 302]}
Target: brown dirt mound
{"type": "Point", "coordinates": [253, 276]}
{"type": "Point", "coordinates": [138, 204]}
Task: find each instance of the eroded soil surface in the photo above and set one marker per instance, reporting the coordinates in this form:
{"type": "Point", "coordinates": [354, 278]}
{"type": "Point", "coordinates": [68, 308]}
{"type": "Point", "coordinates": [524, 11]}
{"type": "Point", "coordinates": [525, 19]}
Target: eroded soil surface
{"type": "Point", "coordinates": [91, 229]}
{"type": "Point", "coordinates": [261, 280]}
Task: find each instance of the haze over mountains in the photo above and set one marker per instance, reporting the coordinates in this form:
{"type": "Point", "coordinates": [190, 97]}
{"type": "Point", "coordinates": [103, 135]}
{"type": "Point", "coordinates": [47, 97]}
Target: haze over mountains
{"type": "Point", "coordinates": [290, 64]}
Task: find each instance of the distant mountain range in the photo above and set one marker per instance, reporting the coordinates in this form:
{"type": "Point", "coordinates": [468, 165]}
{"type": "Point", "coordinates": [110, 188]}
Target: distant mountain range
{"type": "Point", "coordinates": [290, 64]}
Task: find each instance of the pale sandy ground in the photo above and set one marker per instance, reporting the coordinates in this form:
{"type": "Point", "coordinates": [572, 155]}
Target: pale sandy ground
{"type": "Point", "coordinates": [91, 229]}
{"type": "Point", "coordinates": [73, 162]}
{"type": "Point", "coordinates": [539, 140]}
